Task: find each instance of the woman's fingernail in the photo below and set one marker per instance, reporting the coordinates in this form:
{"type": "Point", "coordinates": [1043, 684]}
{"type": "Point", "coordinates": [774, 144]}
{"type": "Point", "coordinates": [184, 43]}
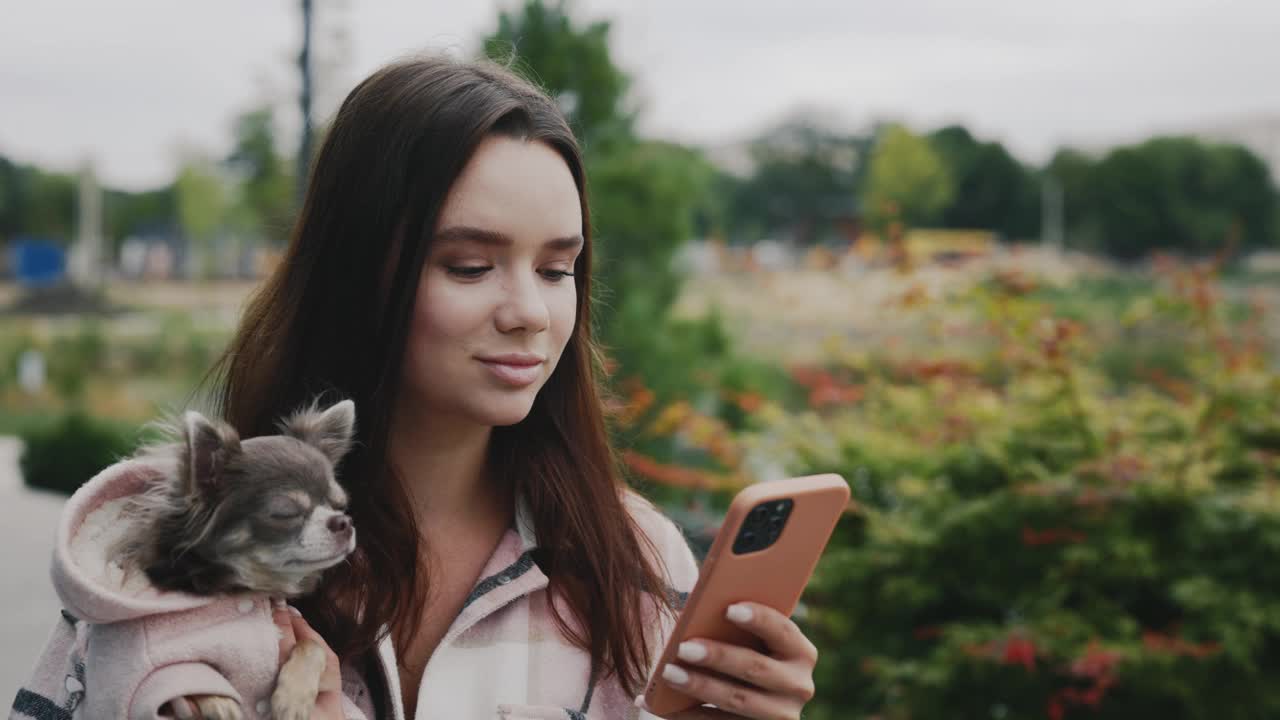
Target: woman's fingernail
{"type": "Point", "coordinates": [739, 613]}
{"type": "Point", "coordinates": [692, 652]}
{"type": "Point", "coordinates": [674, 674]}
{"type": "Point", "coordinates": [296, 612]}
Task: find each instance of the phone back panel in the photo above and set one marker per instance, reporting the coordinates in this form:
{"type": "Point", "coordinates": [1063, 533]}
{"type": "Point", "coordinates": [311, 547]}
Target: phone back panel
{"type": "Point", "coordinates": [775, 576]}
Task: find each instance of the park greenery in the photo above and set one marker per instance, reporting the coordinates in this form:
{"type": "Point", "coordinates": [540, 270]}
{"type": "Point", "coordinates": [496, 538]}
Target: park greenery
{"type": "Point", "coordinates": [1066, 498]}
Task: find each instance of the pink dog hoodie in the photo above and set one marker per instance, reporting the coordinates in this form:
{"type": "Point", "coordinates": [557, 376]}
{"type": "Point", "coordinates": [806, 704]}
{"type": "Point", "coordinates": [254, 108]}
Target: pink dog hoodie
{"type": "Point", "coordinates": [127, 648]}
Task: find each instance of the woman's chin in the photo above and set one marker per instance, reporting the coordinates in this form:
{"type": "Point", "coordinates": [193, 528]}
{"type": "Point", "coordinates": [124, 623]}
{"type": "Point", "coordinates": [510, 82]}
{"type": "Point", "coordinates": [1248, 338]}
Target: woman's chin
{"type": "Point", "coordinates": [502, 414]}
{"type": "Point", "coordinates": [512, 419]}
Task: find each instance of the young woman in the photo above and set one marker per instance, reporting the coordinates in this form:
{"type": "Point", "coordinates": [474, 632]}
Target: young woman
{"type": "Point", "coordinates": [439, 276]}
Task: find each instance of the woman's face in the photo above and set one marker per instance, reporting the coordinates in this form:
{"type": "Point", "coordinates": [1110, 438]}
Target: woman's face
{"type": "Point", "coordinates": [496, 303]}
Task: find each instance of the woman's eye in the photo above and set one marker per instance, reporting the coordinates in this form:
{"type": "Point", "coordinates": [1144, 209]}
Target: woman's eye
{"type": "Point", "coordinates": [556, 275]}
{"type": "Point", "coordinates": [468, 271]}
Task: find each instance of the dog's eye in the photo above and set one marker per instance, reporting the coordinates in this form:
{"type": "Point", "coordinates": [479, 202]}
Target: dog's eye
{"type": "Point", "coordinates": [284, 510]}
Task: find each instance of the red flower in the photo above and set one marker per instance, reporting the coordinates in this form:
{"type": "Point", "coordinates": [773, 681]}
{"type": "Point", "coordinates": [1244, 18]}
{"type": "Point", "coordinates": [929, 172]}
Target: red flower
{"type": "Point", "coordinates": [1020, 651]}
{"type": "Point", "coordinates": [1168, 644]}
{"type": "Point", "coordinates": [1050, 536]}
{"type": "Point", "coordinates": [927, 632]}
{"type": "Point", "coordinates": [1096, 662]}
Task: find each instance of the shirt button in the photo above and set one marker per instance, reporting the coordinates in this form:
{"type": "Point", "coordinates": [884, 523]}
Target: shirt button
{"type": "Point", "coordinates": [245, 606]}
{"type": "Point", "coordinates": [263, 706]}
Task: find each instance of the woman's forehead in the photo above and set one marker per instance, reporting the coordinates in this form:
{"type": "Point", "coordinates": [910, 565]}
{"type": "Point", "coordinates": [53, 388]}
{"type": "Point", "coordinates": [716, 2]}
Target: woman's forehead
{"type": "Point", "coordinates": [514, 189]}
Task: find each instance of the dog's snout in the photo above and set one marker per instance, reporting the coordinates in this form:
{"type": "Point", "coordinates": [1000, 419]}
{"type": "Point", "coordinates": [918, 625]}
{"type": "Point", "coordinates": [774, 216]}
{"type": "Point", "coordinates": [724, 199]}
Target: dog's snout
{"type": "Point", "coordinates": [340, 524]}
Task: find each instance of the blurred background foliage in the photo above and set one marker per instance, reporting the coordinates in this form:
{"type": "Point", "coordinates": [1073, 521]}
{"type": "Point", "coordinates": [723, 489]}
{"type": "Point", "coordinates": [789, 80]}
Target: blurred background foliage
{"type": "Point", "coordinates": [1063, 452]}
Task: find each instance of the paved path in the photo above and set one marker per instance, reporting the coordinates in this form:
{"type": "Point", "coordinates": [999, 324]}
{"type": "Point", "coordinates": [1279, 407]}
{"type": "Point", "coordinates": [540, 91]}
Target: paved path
{"type": "Point", "coordinates": [28, 605]}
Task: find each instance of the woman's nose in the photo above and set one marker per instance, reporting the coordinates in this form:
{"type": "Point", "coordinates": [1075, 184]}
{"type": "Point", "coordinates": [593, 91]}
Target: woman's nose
{"type": "Point", "coordinates": [524, 307]}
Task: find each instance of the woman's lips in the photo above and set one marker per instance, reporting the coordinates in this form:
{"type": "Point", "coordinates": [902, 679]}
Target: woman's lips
{"type": "Point", "coordinates": [514, 370]}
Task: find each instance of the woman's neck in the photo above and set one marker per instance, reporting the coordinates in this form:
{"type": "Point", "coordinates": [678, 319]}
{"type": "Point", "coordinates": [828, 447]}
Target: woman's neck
{"type": "Point", "coordinates": [443, 462]}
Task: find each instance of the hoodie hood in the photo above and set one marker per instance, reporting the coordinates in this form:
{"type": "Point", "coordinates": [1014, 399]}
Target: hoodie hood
{"type": "Point", "coordinates": [92, 585]}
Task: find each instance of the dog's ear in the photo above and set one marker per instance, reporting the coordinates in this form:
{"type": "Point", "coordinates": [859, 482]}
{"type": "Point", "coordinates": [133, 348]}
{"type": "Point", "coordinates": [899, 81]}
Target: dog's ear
{"type": "Point", "coordinates": [329, 431]}
{"type": "Point", "coordinates": [208, 448]}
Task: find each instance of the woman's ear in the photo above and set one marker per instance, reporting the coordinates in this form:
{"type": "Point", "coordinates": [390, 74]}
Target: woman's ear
{"type": "Point", "coordinates": [329, 431]}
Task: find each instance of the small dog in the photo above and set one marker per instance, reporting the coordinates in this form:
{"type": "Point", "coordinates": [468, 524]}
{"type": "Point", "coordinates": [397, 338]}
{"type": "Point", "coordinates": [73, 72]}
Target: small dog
{"type": "Point", "coordinates": [264, 515]}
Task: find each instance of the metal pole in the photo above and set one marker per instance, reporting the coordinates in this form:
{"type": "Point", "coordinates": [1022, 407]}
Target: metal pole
{"type": "Point", "coordinates": [88, 251]}
{"type": "Point", "coordinates": [304, 64]}
{"type": "Point", "coordinates": [1051, 213]}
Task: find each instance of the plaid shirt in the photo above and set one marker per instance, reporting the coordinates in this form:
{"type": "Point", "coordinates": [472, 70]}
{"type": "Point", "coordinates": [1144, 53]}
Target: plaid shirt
{"type": "Point", "coordinates": [505, 657]}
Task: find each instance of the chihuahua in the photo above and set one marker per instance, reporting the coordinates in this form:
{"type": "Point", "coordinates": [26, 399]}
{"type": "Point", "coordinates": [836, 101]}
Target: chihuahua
{"type": "Point", "coordinates": [264, 515]}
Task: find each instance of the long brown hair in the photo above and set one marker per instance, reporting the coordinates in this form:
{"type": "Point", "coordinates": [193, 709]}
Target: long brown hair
{"type": "Point", "coordinates": [328, 320]}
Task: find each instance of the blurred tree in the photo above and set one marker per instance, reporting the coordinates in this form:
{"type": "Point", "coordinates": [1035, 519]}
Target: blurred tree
{"type": "Point", "coordinates": [1073, 170]}
{"type": "Point", "coordinates": [645, 195]}
{"type": "Point", "coordinates": [266, 201]}
{"type": "Point", "coordinates": [130, 213]}
{"type": "Point", "coordinates": [906, 180]}
{"type": "Point", "coordinates": [202, 206]}
{"type": "Point", "coordinates": [572, 63]}
{"type": "Point", "coordinates": [46, 204]}
{"type": "Point", "coordinates": [1173, 193]}
{"type": "Point", "coordinates": [993, 191]}
{"type": "Point", "coordinates": [33, 202]}
{"type": "Point", "coordinates": [10, 200]}
{"type": "Point", "coordinates": [805, 179]}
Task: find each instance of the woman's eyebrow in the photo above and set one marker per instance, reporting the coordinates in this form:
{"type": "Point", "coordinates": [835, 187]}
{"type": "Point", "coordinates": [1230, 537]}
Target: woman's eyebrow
{"type": "Point", "coordinates": [466, 233]}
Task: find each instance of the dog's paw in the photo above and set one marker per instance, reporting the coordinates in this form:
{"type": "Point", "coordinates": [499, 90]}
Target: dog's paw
{"type": "Point", "coordinates": [217, 707]}
{"type": "Point", "coordinates": [291, 705]}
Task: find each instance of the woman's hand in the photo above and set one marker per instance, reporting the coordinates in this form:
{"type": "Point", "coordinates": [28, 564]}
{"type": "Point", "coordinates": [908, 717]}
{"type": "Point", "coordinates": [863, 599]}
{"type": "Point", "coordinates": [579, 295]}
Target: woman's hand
{"type": "Point", "coordinates": [774, 686]}
{"type": "Point", "coordinates": [293, 629]}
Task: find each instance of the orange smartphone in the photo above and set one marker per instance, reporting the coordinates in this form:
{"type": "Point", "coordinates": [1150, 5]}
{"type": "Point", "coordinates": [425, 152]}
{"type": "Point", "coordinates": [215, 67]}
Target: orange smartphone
{"type": "Point", "coordinates": [764, 552]}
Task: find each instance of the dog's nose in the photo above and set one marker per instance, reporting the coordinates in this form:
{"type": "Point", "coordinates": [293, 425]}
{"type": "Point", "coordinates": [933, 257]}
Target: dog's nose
{"type": "Point", "coordinates": [339, 524]}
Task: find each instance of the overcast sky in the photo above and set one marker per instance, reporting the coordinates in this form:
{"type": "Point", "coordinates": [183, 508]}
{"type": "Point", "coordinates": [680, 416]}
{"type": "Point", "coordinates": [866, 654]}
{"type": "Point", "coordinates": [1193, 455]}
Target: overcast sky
{"type": "Point", "coordinates": [134, 83]}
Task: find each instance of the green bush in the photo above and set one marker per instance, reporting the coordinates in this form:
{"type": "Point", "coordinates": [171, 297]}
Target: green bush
{"type": "Point", "coordinates": [62, 455]}
{"type": "Point", "coordinates": [1072, 542]}
{"type": "Point", "coordinates": [1055, 530]}
{"type": "Point", "coordinates": [75, 358]}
